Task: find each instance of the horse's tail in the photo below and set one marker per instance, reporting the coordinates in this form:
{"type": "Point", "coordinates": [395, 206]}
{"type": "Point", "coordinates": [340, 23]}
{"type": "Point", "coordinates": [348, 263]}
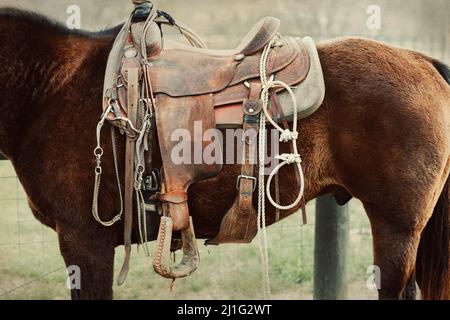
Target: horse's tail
{"type": "Point", "coordinates": [442, 68]}
{"type": "Point", "coordinates": [432, 265]}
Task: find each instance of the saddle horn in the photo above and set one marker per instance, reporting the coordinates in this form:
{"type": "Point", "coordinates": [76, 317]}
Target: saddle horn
{"type": "Point", "coordinates": [162, 263]}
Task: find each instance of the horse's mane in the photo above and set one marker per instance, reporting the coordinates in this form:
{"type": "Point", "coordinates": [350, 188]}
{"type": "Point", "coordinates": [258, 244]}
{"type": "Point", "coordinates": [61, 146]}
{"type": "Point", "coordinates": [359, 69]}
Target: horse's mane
{"type": "Point", "coordinates": [40, 21]}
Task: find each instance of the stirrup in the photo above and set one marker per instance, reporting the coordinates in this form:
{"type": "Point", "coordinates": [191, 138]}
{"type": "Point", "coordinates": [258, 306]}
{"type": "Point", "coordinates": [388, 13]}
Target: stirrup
{"type": "Point", "coordinates": [162, 263]}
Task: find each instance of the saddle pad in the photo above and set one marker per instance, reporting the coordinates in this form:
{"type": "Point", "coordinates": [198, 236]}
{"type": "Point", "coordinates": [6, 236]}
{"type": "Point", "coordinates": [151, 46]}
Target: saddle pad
{"type": "Point", "coordinates": [311, 91]}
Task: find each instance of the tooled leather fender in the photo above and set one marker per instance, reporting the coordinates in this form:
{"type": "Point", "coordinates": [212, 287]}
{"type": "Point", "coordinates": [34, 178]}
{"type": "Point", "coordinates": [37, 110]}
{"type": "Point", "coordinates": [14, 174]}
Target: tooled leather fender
{"type": "Point", "coordinates": [183, 113]}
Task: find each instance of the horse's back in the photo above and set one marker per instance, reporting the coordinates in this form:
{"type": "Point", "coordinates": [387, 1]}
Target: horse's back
{"type": "Point", "coordinates": [388, 109]}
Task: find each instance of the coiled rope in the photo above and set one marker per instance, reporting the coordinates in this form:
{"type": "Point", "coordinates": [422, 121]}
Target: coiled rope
{"type": "Point", "coordinates": [286, 135]}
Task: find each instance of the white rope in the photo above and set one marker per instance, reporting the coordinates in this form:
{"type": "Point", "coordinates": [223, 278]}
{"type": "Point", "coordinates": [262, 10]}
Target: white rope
{"type": "Point", "coordinates": [286, 135]}
{"type": "Point", "coordinates": [262, 236]}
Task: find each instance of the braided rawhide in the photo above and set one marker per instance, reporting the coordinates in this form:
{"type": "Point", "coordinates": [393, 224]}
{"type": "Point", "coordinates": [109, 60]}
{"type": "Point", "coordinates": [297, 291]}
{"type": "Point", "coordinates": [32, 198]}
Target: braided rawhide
{"type": "Point", "coordinates": [162, 262]}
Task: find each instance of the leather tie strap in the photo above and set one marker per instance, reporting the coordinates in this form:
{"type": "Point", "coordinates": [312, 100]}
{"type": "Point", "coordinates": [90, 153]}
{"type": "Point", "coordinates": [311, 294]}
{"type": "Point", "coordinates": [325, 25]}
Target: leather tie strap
{"type": "Point", "coordinates": [132, 109]}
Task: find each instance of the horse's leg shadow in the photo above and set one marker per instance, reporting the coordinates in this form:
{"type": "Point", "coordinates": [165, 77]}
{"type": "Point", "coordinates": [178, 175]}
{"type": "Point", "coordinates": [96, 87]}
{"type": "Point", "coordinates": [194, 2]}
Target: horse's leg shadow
{"type": "Point", "coordinates": [94, 257]}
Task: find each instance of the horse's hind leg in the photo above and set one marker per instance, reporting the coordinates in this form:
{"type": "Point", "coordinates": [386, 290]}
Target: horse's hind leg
{"type": "Point", "coordinates": [398, 219]}
{"type": "Point", "coordinates": [395, 249]}
{"type": "Point", "coordinates": [95, 258]}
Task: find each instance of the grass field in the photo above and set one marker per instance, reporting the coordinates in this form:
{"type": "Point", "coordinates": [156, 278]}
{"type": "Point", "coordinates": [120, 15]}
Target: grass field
{"type": "Point", "coordinates": [32, 268]}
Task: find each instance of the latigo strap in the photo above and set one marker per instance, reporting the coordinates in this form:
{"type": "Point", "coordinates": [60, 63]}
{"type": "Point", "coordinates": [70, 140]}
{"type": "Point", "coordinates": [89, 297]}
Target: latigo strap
{"type": "Point", "coordinates": [129, 170]}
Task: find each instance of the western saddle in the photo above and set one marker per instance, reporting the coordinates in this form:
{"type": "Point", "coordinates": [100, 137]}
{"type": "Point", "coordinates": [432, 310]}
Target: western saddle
{"type": "Point", "coordinates": [154, 86]}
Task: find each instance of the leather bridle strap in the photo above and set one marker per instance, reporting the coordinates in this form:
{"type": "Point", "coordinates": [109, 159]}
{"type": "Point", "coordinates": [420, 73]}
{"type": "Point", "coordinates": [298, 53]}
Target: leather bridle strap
{"type": "Point", "coordinates": [132, 109]}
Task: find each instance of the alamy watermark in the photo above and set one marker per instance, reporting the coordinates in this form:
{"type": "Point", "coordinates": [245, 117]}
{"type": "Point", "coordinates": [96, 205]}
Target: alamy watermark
{"type": "Point", "coordinates": [373, 22]}
{"type": "Point", "coordinates": [374, 280]}
{"type": "Point", "coordinates": [74, 19]}
{"type": "Point", "coordinates": [200, 146]}
{"type": "Point", "coordinates": [74, 277]}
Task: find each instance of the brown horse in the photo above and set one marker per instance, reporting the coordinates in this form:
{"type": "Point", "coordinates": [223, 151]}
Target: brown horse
{"type": "Point", "coordinates": [382, 135]}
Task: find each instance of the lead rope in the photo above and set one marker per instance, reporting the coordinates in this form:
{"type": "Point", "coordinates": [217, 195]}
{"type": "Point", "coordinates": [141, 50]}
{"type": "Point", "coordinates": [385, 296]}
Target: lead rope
{"type": "Point", "coordinates": [262, 236]}
{"type": "Point", "coordinates": [286, 158]}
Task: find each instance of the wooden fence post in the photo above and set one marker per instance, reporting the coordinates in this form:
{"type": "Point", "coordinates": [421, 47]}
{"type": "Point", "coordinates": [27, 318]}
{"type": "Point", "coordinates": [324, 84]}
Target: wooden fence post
{"type": "Point", "coordinates": [330, 251]}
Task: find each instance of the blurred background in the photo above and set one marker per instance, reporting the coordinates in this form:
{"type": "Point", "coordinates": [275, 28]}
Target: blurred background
{"type": "Point", "coordinates": [30, 264]}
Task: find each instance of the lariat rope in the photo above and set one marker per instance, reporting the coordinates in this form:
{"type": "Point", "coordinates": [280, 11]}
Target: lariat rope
{"type": "Point", "coordinates": [262, 235]}
{"type": "Point", "coordinates": [286, 135]}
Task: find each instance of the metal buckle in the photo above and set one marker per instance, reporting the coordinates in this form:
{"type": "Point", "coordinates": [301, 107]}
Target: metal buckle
{"type": "Point", "coordinates": [151, 182]}
{"type": "Point", "coordinates": [248, 178]}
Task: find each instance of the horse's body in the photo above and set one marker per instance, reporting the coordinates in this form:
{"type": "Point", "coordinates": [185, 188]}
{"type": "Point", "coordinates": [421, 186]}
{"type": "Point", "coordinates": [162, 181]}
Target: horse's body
{"type": "Point", "coordinates": [382, 135]}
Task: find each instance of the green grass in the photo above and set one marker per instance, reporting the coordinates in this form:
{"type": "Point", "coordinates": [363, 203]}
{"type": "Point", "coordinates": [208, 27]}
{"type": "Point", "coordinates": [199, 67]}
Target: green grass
{"type": "Point", "coordinates": [32, 268]}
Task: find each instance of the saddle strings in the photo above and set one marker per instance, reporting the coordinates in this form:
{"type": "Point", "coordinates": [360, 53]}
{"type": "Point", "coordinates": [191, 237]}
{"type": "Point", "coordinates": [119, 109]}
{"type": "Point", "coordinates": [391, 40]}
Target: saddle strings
{"type": "Point", "coordinates": [290, 158]}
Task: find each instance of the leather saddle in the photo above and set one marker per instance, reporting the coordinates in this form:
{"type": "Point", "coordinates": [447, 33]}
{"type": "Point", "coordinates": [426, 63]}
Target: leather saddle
{"type": "Point", "coordinates": [180, 70]}
{"type": "Point", "coordinates": [189, 85]}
